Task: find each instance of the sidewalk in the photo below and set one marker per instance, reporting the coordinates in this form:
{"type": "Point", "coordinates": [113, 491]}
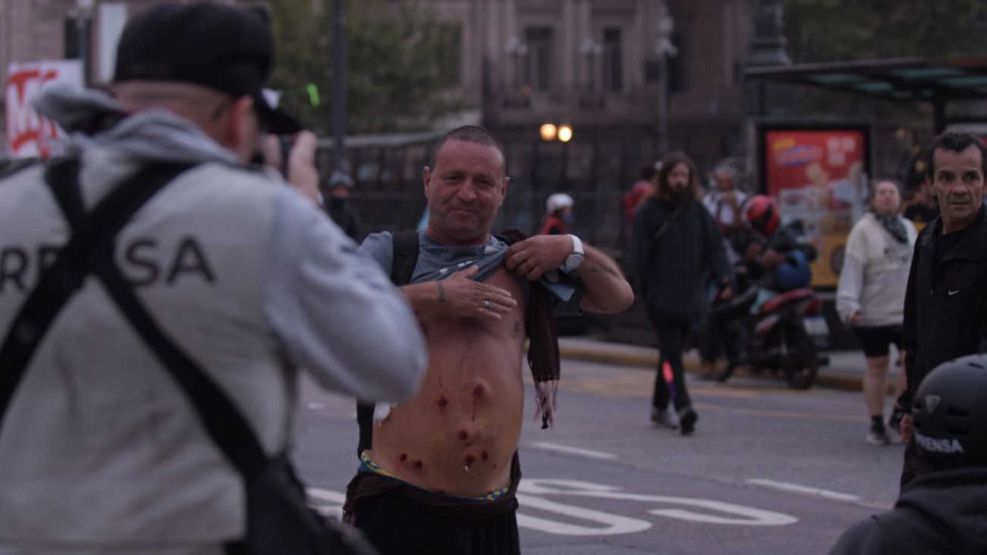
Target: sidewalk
{"type": "Point", "coordinates": [844, 371]}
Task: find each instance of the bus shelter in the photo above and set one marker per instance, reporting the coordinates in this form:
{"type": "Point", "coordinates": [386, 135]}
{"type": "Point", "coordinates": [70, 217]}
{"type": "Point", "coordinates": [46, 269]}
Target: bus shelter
{"type": "Point", "coordinates": [938, 83]}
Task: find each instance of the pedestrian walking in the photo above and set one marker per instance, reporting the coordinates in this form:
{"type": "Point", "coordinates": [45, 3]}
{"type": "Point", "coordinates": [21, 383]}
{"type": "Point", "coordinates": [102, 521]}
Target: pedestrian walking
{"type": "Point", "coordinates": [678, 252]}
{"type": "Point", "coordinates": [439, 472]}
{"type": "Point", "coordinates": [724, 202]}
{"type": "Point", "coordinates": [640, 190]}
{"type": "Point", "coordinates": [945, 314]}
{"type": "Point", "coordinates": [871, 294]}
{"type": "Point", "coordinates": [159, 299]}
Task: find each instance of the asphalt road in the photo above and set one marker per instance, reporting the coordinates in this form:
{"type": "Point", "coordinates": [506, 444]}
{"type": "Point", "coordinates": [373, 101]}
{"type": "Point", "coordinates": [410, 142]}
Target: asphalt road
{"type": "Point", "coordinates": [769, 470]}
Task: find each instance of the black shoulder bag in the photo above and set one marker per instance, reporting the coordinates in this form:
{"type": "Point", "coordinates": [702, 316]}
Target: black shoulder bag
{"type": "Point", "coordinates": [279, 522]}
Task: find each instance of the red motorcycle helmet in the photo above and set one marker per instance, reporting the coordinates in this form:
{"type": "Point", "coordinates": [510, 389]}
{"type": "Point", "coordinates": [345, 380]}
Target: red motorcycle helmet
{"type": "Point", "coordinates": [762, 214]}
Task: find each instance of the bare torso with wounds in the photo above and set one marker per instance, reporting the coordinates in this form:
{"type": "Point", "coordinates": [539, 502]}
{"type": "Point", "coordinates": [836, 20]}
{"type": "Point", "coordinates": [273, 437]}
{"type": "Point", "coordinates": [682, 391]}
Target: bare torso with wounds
{"type": "Point", "coordinates": [457, 436]}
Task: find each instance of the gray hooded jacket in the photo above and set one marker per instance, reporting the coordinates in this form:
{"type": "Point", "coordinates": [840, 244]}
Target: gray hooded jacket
{"type": "Point", "coordinates": [100, 452]}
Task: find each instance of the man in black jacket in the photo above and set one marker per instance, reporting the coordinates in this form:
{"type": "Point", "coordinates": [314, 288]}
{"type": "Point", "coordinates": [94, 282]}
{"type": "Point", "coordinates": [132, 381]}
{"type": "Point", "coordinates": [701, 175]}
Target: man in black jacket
{"type": "Point", "coordinates": [946, 298]}
{"type": "Point", "coordinates": [943, 510]}
{"type": "Point", "coordinates": [677, 250]}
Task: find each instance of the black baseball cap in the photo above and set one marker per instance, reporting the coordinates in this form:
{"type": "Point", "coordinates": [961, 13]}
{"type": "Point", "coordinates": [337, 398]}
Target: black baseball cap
{"type": "Point", "coordinates": [224, 48]}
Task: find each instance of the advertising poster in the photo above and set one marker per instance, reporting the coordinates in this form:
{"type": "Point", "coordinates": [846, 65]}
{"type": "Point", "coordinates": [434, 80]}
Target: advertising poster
{"type": "Point", "coordinates": [28, 134]}
{"type": "Point", "coordinates": [818, 177]}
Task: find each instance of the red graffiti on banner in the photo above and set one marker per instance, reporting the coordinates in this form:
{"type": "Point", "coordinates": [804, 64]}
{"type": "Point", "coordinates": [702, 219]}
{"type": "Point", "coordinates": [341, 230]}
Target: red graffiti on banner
{"type": "Point", "coordinates": [29, 134]}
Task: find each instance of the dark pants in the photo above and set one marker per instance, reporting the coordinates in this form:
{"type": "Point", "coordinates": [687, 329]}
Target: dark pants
{"type": "Point", "coordinates": [721, 335]}
{"type": "Point", "coordinates": [671, 342]}
{"type": "Point", "coordinates": [398, 525]}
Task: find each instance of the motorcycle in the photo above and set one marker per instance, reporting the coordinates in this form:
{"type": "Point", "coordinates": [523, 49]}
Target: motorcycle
{"type": "Point", "coordinates": [774, 328]}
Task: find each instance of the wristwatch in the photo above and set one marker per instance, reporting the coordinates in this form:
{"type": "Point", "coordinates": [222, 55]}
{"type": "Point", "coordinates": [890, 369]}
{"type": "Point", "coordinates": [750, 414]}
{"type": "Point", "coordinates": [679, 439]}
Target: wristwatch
{"type": "Point", "coordinates": [575, 259]}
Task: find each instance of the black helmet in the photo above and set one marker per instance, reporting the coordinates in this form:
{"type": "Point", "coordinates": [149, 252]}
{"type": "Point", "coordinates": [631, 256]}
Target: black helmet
{"type": "Point", "coordinates": [950, 411]}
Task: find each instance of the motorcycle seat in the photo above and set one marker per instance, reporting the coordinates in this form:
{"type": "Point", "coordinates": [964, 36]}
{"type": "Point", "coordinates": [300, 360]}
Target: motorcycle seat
{"type": "Point", "coordinates": [787, 298]}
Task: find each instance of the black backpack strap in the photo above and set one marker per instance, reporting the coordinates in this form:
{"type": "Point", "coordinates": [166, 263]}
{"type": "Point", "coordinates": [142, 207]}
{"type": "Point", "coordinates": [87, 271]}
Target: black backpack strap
{"type": "Point", "coordinates": [59, 282]}
{"type": "Point", "coordinates": [91, 250]}
{"type": "Point", "coordinates": [403, 261]}
{"type": "Point", "coordinates": [9, 168]}
{"type": "Point", "coordinates": [224, 422]}
{"type": "Point", "coordinates": [405, 257]}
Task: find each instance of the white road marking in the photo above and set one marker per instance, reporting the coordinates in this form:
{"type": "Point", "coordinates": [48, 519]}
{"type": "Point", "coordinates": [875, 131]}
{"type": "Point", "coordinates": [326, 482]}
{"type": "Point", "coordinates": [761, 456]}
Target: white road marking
{"type": "Point", "coordinates": [737, 515]}
{"type": "Point", "coordinates": [612, 524]}
{"type": "Point", "coordinates": [327, 502]}
{"type": "Point", "coordinates": [807, 490]}
{"type": "Point", "coordinates": [573, 520]}
{"type": "Point", "coordinates": [573, 450]}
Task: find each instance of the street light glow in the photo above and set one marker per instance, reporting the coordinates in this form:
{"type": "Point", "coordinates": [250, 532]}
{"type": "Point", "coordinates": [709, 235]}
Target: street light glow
{"type": "Point", "coordinates": [548, 131]}
{"type": "Point", "coordinates": [565, 133]}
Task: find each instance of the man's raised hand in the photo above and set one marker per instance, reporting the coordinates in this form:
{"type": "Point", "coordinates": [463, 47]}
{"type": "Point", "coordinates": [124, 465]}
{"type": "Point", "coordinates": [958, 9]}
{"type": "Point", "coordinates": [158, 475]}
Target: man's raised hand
{"type": "Point", "coordinates": [538, 254]}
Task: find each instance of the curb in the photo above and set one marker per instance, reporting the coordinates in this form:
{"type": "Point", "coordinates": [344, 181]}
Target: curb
{"type": "Point", "coordinates": [647, 358]}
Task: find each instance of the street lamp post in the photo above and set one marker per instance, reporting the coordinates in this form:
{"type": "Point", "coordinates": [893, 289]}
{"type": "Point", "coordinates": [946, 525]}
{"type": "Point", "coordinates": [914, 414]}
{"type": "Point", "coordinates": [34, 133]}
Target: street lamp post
{"type": "Point", "coordinates": [665, 50]}
{"type": "Point", "coordinates": [83, 9]}
{"type": "Point", "coordinates": [338, 155]}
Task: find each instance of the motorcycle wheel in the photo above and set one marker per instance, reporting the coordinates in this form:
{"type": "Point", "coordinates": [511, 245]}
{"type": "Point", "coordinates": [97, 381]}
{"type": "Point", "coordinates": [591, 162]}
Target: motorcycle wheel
{"type": "Point", "coordinates": [801, 364]}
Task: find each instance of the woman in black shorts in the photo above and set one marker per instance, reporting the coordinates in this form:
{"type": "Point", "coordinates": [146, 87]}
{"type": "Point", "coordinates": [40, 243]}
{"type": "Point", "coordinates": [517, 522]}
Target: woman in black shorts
{"type": "Point", "coordinates": [871, 295]}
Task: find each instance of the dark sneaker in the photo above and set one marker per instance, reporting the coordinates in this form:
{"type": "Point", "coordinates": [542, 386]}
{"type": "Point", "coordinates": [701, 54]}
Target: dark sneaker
{"type": "Point", "coordinates": [663, 418]}
{"type": "Point", "coordinates": [687, 421]}
{"type": "Point", "coordinates": [878, 436]}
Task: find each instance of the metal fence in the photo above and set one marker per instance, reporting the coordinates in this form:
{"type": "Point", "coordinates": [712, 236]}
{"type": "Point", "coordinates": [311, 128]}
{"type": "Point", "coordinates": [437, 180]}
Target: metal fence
{"type": "Point", "coordinates": [594, 170]}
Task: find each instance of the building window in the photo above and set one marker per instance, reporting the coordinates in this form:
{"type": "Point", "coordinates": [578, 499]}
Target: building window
{"type": "Point", "coordinates": [538, 63]}
{"type": "Point", "coordinates": [613, 60]}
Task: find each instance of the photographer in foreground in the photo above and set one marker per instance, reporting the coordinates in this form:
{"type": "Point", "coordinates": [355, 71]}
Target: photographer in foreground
{"type": "Point", "coordinates": [160, 301]}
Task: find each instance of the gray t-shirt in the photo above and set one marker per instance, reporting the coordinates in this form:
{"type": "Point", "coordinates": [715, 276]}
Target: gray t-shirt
{"type": "Point", "coordinates": [437, 261]}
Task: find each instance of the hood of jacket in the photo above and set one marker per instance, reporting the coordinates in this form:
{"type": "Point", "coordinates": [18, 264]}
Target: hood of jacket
{"type": "Point", "coordinates": [94, 119]}
{"type": "Point", "coordinates": [951, 504]}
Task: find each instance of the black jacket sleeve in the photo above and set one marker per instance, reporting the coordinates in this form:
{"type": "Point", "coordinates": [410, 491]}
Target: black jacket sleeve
{"type": "Point", "coordinates": [640, 247]}
{"type": "Point", "coordinates": [909, 331]}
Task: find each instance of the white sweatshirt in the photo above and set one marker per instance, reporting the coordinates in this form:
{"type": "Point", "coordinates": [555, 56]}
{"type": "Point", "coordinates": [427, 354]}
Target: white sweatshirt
{"type": "Point", "coordinates": [875, 273]}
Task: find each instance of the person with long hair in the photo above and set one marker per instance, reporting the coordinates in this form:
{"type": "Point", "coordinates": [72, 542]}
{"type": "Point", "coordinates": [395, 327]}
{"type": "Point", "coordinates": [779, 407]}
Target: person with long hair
{"type": "Point", "coordinates": [676, 251]}
{"type": "Point", "coordinates": [871, 295]}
